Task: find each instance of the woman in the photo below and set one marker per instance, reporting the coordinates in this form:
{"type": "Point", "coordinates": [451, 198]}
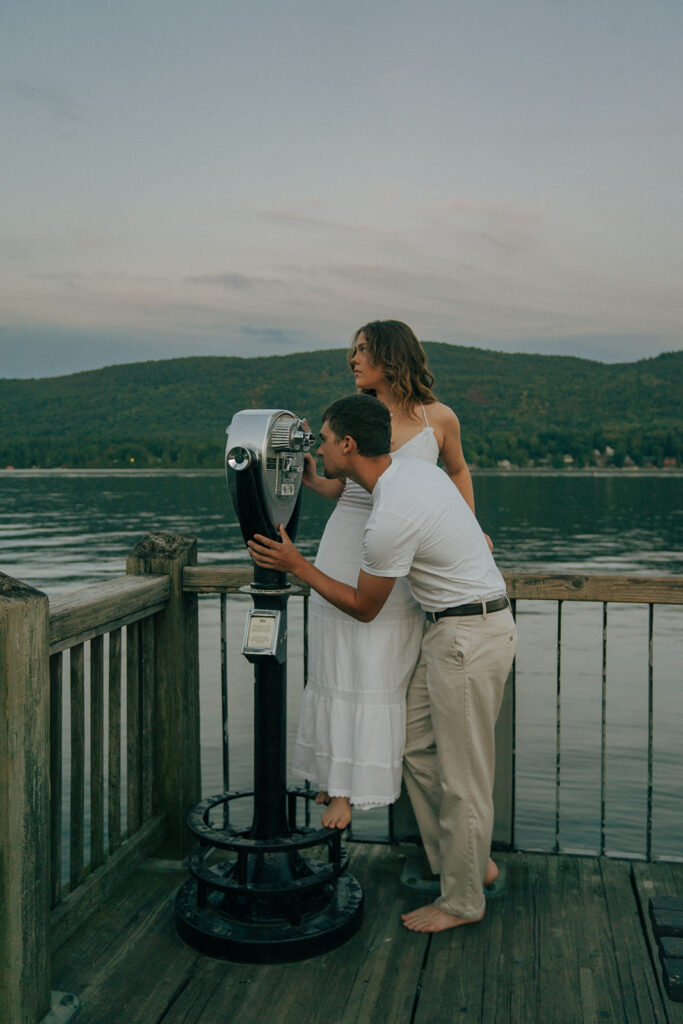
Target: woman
{"type": "Point", "coordinates": [352, 725]}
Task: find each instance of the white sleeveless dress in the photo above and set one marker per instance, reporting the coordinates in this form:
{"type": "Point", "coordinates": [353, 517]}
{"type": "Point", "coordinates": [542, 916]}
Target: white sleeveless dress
{"type": "Point", "coordinates": [352, 724]}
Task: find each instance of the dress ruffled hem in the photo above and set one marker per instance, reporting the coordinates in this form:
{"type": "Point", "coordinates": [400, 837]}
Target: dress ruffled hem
{"type": "Point", "coordinates": [363, 784]}
{"type": "Point", "coordinates": [359, 803]}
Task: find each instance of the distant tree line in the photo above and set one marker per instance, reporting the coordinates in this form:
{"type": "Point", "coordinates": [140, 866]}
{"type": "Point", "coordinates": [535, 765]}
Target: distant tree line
{"type": "Point", "coordinates": [514, 408]}
{"type": "Point", "coordinates": [161, 454]}
{"type": "Point", "coordinates": [544, 449]}
{"type": "Point", "coordinates": [551, 448]}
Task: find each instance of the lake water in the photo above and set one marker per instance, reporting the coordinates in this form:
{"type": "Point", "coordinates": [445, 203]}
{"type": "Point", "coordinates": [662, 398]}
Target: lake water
{"type": "Point", "coordinates": [64, 529]}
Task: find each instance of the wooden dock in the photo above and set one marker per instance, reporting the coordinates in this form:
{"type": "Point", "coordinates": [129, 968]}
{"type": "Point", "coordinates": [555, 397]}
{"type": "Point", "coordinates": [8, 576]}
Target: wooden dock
{"type": "Point", "coordinates": [567, 943]}
{"type": "Point", "coordinates": [85, 911]}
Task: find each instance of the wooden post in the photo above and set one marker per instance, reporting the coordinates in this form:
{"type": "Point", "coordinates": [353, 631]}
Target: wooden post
{"type": "Point", "coordinates": [24, 803]}
{"type": "Point", "coordinates": [177, 781]}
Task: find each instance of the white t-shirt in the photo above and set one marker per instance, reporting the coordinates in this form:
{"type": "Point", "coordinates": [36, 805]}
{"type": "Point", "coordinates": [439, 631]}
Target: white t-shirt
{"type": "Point", "coordinates": [421, 527]}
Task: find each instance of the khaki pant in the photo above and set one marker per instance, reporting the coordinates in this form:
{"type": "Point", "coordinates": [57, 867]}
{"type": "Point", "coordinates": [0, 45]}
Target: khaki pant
{"type": "Point", "coordinates": [453, 702]}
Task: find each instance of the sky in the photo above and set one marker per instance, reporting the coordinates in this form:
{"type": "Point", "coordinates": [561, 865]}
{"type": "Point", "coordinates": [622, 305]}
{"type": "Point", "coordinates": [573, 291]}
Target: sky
{"type": "Point", "coordinates": [261, 177]}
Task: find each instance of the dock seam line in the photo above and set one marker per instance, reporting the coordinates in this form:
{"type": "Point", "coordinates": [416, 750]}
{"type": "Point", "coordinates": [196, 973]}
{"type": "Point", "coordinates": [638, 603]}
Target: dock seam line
{"type": "Point", "coordinates": [418, 987]}
{"type": "Point", "coordinates": [174, 998]}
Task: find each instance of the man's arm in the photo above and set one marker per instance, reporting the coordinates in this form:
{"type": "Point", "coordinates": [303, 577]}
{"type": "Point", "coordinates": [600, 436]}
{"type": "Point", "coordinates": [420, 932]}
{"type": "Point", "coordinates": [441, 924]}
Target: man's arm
{"type": "Point", "coordinates": [362, 602]}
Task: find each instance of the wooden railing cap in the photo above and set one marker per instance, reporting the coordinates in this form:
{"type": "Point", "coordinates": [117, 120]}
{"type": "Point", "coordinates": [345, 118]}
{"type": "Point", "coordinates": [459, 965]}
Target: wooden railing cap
{"type": "Point", "coordinates": [12, 589]}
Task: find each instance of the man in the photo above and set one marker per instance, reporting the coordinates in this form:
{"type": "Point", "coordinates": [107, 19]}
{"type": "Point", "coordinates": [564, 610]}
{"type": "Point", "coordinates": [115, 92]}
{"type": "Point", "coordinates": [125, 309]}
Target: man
{"type": "Point", "coordinates": [421, 527]}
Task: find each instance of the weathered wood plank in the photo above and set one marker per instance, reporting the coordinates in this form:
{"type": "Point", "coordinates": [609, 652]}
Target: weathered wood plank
{"type": "Point", "coordinates": [672, 976]}
{"type": "Point", "coordinates": [213, 579]}
{"type": "Point", "coordinates": [96, 751]}
{"type": "Point", "coordinates": [371, 977]}
{"type": "Point", "coordinates": [102, 607]}
{"type": "Point", "coordinates": [553, 948]}
{"type": "Point", "coordinates": [666, 915]}
{"type": "Point", "coordinates": [514, 916]}
{"type": "Point", "coordinates": [144, 969]}
{"type": "Point", "coordinates": [24, 803]}
{"type": "Point", "coordinates": [639, 986]}
{"type": "Point", "coordinates": [176, 674]}
{"type": "Point", "coordinates": [104, 883]}
{"type": "Point", "coordinates": [472, 973]}
{"type": "Point", "coordinates": [114, 730]}
{"type": "Point", "coordinates": [628, 589]}
{"type": "Point", "coordinates": [654, 880]}
{"type": "Point", "coordinates": [544, 952]}
{"type": "Point", "coordinates": [77, 678]}
{"type": "Point", "coordinates": [216, 579]}
{"type": "Point", "coordinates": [671, 947]}
{"type": "Point", "coordinates": [56, 669]}
{"type": "Point", "coordinates": [84, 956]}
{"type": "Point", "coordinates": [147, 715]}
{"type": "Point", "coordinates": [578, 969]}
{"type": "Point", "coordinates": [225, 579]}
{"type": "Point", "coordinates": [133, 731]}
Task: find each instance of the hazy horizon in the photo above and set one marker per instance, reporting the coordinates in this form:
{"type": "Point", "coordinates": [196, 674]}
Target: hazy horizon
{"type": "Point", "coordinates": [341, 349]}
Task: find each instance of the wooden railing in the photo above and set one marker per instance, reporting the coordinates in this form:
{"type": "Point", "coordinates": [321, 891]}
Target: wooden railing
{"type": "Point", "coordinates": [155, 751]}
{"type": "Point", "coordinates": [550, 588]}
{"type": "Point", "coordinates": [143, 768]}
{"type": "Point", "coordinates": [604, 590]}
{"type": "Point", "coordinates": [79, 624]}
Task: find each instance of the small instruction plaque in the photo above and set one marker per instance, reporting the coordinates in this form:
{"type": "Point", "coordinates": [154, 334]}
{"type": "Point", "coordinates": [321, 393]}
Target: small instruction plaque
{"type": "Point", "coordinates": [261, 632]}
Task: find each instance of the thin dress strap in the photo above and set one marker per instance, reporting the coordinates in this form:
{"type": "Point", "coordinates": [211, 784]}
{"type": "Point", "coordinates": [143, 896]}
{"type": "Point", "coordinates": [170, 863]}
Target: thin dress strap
{"type": "Point", "coordinates": [424, 414]}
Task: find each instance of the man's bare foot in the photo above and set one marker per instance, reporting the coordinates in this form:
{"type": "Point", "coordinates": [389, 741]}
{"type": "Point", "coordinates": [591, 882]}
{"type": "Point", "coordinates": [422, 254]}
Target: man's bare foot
{"type": "Point", "coordinates": [323, 797]}
{"type": "Point", "coordinates": [431, 919]}
{"type": "Point", "coordinates": [491, 872]}
{"type": "Point", "coordinates": [338, 813]}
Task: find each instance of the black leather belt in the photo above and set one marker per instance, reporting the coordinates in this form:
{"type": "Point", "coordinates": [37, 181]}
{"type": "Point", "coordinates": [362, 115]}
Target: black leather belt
{"type": "Point", "coordinates": [470, 609]}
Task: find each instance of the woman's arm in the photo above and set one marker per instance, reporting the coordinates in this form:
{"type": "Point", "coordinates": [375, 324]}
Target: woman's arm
{"type": "Point", "coordinates": [447, 432]}
{"type": "Point", "coordinates": [319, 484]}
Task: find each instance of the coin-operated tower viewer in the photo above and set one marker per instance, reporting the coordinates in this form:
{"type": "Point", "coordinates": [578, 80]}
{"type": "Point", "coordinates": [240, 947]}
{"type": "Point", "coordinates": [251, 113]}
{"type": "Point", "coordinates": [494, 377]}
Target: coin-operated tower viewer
{"type": "Point", "coordinates": [254, 896]}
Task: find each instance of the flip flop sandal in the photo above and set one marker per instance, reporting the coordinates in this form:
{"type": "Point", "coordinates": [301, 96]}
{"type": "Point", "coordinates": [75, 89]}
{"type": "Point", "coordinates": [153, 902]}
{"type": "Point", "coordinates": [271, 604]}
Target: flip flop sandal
{"type": "Point", "coordinates": [496, 888]}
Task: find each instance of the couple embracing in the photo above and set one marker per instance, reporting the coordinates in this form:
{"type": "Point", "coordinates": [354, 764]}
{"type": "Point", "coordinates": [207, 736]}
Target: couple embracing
{"type": "Point", "coordinates": [411, 634]}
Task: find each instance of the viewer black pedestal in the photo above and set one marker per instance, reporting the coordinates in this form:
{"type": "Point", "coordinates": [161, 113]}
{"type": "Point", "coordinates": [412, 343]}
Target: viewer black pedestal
{"type": "Point", "coordinates": [258, 895]}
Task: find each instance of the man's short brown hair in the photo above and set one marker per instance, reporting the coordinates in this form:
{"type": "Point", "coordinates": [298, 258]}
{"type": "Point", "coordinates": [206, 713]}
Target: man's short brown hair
{"type": "Point", "coordinates": [363, 418]}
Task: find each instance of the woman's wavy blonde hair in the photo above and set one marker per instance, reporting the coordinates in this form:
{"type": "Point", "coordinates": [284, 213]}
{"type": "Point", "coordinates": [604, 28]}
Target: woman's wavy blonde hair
{"type": "Point", "coordinates": [394, 345]}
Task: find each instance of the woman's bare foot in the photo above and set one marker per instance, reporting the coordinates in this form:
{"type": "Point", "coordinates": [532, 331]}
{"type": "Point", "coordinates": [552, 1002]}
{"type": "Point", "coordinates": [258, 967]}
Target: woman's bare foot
{"type": "Point", "coordinates": [431, 919]}
{"type": "Point", "coordinates": [338, 813]}
{"type": "Point", "coordinates": [323, 797]}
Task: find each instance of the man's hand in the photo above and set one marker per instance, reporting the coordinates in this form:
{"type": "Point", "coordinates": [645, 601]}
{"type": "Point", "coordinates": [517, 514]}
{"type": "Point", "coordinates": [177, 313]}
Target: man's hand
{"type": "Point", "coordinates": [275, 554]}
{"type": "Point", "coordinates": [362, 602]}
{"type": "Point", "coordinates": [319, 484]}
{"type": "Point", "coordinates": [310, 470]}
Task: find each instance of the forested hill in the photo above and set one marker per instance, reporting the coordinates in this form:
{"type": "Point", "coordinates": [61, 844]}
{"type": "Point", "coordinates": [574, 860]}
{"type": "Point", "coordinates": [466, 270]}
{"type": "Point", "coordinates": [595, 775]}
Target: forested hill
{"type": "Point", "coordinates": [511, 407]}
